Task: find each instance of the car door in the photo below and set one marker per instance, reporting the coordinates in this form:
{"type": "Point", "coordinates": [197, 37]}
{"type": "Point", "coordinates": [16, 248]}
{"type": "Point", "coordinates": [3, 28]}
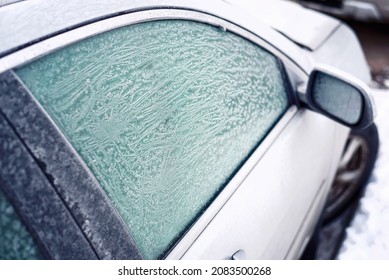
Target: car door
{"type": "Point", "coordinates": [190, 133]}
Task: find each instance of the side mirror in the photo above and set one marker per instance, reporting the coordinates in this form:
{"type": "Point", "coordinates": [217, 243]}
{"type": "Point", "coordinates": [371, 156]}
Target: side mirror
{"type": "Point", "coordinates": [340, 97]}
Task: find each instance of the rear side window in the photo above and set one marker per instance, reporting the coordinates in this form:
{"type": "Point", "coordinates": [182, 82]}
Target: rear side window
{"type": "Point", "coordinates": [16, 243]}
{"type": "Point", "coordinates": [163, 113]}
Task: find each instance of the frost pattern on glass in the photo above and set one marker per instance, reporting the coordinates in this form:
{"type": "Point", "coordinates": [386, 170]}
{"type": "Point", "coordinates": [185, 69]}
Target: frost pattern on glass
{"type": "Point", "coordinates": [338, 98]}
{"type": "Point", "coordinates": [163, 113]}
{"type": "Point", "coordinates": [16, 242]}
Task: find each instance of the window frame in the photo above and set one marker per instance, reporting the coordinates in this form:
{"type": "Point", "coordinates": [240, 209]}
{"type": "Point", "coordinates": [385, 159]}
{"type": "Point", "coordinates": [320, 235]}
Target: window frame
{"type": "Point", "coordinates": [286, 66]}
{"type": "Point", "coordinates": [44, 234]}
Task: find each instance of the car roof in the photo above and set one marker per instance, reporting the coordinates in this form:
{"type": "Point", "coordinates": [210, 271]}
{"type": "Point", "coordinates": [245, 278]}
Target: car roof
{"type": "Point", "coordinates": [27, 22]}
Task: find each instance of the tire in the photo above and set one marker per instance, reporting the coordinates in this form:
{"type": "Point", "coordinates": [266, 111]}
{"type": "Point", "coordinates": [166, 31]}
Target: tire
{"type": "Point", "coordinates": [341, 203]}
{"type": "Point", "coordinates": [354, 170]}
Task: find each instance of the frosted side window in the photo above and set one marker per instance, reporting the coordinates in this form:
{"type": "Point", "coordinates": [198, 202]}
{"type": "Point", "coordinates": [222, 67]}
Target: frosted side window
{"type": "Point", "coordinates": [163, 113]}
{"type": "Point", "coordinates": [16, 242]}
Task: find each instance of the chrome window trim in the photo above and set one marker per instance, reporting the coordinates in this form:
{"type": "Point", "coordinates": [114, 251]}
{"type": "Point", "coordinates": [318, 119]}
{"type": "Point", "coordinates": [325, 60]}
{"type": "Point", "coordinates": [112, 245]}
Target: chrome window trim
{"type": "Point", "coordinates": [33, 52]}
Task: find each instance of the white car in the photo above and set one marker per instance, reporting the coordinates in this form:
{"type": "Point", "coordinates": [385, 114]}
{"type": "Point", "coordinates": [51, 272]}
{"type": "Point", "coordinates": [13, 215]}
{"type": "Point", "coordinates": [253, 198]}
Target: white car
{"type": "Point", "coordinates": [175, 129]}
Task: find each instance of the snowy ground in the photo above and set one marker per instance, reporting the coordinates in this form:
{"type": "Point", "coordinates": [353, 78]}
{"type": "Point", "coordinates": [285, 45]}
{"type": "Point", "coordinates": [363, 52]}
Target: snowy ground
{"type": "Point", "coordinates": [368, 235]}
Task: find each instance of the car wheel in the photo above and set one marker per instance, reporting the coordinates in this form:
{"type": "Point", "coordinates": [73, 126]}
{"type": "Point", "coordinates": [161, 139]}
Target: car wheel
{"type": "Point", "coordinates": [354, 170]}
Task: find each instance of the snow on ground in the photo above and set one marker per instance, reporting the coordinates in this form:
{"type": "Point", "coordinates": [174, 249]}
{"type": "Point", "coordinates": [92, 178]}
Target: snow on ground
{"type": "Point", "coordinates": [368, 235]}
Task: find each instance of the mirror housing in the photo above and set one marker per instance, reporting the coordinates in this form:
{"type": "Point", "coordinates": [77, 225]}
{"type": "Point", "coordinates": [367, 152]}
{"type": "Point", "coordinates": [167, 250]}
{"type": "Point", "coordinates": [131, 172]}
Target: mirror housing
{"type": "Point", "coordinates": [341, 97]}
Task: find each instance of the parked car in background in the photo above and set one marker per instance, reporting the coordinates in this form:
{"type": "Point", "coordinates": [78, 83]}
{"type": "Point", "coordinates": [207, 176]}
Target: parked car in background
{"type": "Point", "coordinates": [175, 129]}
{"type": "Point", "coordinates": [363, 10]}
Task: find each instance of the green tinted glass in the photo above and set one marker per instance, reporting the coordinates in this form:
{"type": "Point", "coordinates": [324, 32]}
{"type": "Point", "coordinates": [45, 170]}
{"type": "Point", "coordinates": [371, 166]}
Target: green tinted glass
{"type": "Point", "coordinates": [163, 113]}
{"type": "Point", "coordinates": [16, 242]}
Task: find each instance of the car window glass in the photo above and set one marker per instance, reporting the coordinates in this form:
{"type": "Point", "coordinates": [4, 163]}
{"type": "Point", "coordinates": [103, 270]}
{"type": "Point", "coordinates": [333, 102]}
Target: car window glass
{"type": "Point", "coordinates": [16, 243]}
{"type": "Point", "coordinates": [163, 113]}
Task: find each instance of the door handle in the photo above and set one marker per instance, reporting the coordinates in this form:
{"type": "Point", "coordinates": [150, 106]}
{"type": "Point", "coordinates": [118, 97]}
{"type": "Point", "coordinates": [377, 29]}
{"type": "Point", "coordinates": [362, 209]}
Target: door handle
{"type": "Point", "coordinates": [238, 255]}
